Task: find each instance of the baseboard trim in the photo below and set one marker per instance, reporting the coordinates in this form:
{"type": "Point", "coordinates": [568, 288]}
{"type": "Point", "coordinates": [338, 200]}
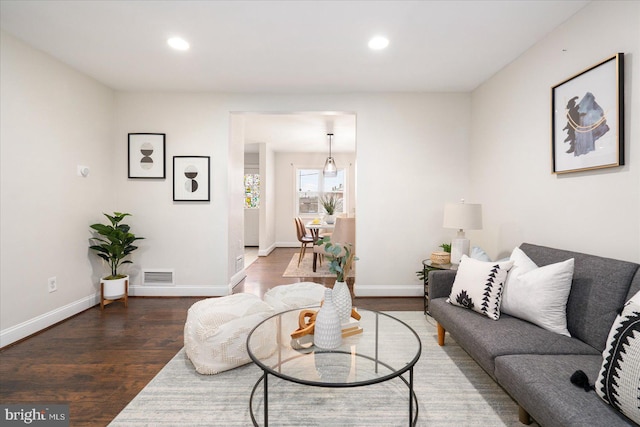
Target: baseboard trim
{"type": "Point", "coordinates": [178, 291]}
{"type": "Point", "coordinates": [15, 333]}
{"type": "Point", "coordinates": [236, 279]}
{"type": "Point", "coordinates": [266, 252]}
{"type": "Point", "coordinates": [388, 291]}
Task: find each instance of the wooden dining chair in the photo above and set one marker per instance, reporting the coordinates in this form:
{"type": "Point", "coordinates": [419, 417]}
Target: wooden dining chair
{"type": "Point", "coordinates": [303, 237]}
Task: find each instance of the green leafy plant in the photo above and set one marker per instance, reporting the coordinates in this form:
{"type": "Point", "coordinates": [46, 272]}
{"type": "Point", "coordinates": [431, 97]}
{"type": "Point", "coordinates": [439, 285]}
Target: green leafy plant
{"type": "Point", "coordinates": [340, 256]}
{"type": "Point", "coordinates": [330, 202]}
{"type": "Point", "coordinates": [446, 247]}
{"type": "Point", "coordinates": [115, 242]}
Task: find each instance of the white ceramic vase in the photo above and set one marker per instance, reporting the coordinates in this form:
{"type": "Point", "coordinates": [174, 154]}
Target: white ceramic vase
{"type": "Point", "coordinates": [342, 301]}
{"type": "Point", "coordinates": [329, 219]}
{"type": "Point", "coordinates": [327, 332]}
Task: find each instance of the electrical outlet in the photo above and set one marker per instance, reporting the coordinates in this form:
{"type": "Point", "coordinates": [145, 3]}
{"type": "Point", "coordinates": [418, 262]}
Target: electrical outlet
{"type": "Point", "coordinates": [52, 284]}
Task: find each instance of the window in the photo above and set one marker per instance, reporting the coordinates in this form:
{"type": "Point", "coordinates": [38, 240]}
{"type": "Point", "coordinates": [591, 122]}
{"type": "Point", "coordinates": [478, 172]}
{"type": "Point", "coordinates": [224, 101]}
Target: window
{"type": "Point", "coordinates": [251, 191]}
{"type": "Point", "coordinates": [311, 185]}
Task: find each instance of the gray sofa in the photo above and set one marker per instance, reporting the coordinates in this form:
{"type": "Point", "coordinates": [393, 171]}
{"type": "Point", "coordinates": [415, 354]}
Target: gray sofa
{"type": "Point", "coordinates": [534, 365]}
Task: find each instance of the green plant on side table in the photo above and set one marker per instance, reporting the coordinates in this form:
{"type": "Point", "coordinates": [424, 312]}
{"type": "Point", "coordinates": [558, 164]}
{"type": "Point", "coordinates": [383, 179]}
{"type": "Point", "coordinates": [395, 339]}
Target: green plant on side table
{"type": "Point", "coordinates": [114, 242]}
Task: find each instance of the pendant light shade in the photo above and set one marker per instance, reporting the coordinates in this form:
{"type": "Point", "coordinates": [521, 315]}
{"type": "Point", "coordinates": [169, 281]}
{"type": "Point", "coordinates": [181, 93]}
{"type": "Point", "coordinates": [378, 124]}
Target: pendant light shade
{"type": "Point", "coordinates": [330, 168]}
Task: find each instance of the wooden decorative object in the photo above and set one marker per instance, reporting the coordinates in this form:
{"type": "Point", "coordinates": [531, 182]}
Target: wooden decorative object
{"type": "Point", "coordinates": [440, 258]}
{"type": "Point", "coordinates": [307, 320]}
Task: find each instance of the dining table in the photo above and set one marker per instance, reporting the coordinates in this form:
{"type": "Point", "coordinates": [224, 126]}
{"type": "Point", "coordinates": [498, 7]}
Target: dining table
{"type": "Point", "coordinates": [315, 227]}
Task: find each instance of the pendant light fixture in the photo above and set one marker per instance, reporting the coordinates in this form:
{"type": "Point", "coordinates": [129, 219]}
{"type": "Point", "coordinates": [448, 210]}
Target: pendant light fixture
{"type": "Point", "coordinates": [330, 169]}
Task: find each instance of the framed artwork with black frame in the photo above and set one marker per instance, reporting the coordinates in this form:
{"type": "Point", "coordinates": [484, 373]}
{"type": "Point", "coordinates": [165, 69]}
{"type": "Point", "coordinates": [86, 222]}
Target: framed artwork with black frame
{"type": "Point", "coordinates": [191, 178]}
{"type": "Point", "coordinates": [146, 156]}
{"type": "Point", "coordinates": [587, 118]}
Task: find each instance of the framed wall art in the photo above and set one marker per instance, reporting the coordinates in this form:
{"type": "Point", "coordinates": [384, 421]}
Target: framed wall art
{"type": "Point", "coordinates": [191, 178]}
{"type": "Point", "coordinates": [146, 156]}
{"type": "Point", "coordinates": [587, 118]}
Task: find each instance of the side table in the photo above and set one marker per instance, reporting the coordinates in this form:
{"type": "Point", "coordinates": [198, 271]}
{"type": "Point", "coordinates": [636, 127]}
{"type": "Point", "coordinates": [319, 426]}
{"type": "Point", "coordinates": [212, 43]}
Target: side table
{"type": "Point", "coordinates": [427, 266]}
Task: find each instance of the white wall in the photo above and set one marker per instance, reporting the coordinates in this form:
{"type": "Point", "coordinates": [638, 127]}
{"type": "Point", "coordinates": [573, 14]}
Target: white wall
{"type": "Point", "coordinates": [423, 137]}
{"type": "Point", "coordinates": [596, 212]}
{"type": "Point", "coordinates": [190, 237]}
{"type": "Point", "coordinates": [52, 119]}
{"type": "Point", "coordinates": [268, 210]}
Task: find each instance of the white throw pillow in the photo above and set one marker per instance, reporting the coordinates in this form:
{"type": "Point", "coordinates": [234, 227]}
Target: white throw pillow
{"type": "Point", "coordinates": [617, 382]}
{"type": "Point", "coordinates": [538, 295]}
{"type": "Point", "coordinates": [479, 254]}
{"type": "Point", "coordinates": [478, 286]}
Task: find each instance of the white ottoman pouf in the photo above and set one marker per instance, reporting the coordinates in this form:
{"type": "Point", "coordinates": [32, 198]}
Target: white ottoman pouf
{"type": "Point", "coordinates": [296, 295]}
{"type": "Point", "coordinates": [289, 297]}
{"type": "Point", "coordinates": [216, 330]}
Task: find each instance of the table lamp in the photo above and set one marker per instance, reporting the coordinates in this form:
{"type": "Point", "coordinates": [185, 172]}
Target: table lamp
{"type": "Point", "coordinates": [461, 216]}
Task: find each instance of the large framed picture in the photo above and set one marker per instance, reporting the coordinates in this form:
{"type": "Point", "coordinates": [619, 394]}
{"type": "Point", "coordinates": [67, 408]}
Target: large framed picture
{"type": "Point", "coordinates": [146, 155]}
{"type": "Point", "coordinates": [191, 178]}
{"type": "Point", "coordinates": [587, 118]}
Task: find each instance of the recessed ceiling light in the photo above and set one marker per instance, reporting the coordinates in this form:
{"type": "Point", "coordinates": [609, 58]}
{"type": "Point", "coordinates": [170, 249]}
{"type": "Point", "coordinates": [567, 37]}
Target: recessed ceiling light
{"type": "Point", "coordinates": [178, 43]}
{"type": "Point", "coordinates": [378, 42]}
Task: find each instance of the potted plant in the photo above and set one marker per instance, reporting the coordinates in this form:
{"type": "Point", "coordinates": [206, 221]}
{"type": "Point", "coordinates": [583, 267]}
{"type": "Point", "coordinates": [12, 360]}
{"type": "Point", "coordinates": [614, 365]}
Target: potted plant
{"type": "Point", "coordinates": [330, 202]}
{"type": "Point", "coordinates": [341, 258]}
{"type": "Point", "coordinates": [113, 244]}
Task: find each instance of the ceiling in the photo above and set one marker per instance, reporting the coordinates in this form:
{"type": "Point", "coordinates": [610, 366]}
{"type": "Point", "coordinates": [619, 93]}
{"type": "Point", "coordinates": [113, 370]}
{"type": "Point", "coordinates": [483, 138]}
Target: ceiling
{"type": "Point", "coordinates": [286, 46]}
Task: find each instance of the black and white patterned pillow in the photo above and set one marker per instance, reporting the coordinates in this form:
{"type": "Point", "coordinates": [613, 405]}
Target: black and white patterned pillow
{"type": "Point", "coordinates": [478, 286]}
{"type": "Point", "coordinates": [618, 382]}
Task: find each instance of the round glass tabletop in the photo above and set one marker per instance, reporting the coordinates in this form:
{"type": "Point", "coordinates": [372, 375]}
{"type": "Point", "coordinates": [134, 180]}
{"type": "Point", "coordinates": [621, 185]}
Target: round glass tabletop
{"type": "Point", "coordinates": [386, 348]}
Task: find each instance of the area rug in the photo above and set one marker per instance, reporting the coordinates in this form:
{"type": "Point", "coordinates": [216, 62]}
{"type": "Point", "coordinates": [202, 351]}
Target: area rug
{"type": "Point", "coordinates": [452, 390]}
{"type": "Point", "coordinates": [306, 268]}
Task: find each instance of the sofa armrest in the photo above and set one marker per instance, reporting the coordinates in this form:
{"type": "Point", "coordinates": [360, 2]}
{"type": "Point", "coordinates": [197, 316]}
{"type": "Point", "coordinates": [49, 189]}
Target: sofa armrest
{"type": "Point", "coordinates": [440, 283]}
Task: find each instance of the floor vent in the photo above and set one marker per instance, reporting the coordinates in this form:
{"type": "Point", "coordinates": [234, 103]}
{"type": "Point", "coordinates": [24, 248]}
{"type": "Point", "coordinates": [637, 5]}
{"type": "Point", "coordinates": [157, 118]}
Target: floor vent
{"type": "Point", "coordinates": [157, 277]}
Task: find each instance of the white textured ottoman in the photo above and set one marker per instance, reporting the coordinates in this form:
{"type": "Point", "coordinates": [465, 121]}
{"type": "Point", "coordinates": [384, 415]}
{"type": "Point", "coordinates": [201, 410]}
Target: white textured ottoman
{"type": "Point", "coordinates": [216, 330]}
{"type": "Point", "coordinates": [296, 295]}
{"type": "Point", "coordinates": [289, 297]}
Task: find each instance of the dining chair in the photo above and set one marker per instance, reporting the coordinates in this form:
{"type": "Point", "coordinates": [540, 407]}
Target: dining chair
{"type": "Point", "coordinates": [304, 238]}
{"type": "Point", "coordinates": [344, 232]}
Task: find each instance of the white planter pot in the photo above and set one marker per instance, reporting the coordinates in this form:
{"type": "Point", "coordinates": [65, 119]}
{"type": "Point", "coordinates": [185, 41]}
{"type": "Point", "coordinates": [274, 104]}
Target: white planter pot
{"type": "Point", "coordinates": [114, 289]}
{"type": "Point", "coordinates": [329, 219]}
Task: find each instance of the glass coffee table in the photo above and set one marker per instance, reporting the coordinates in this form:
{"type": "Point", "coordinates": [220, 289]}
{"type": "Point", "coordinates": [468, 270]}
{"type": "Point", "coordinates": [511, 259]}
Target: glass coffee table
{"type": "Point", "coordinates": [386, 349]}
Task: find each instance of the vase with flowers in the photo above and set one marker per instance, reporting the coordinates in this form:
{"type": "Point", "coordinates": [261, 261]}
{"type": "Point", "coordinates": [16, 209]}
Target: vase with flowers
{"type": "Point", "coordinates": [341, 258]}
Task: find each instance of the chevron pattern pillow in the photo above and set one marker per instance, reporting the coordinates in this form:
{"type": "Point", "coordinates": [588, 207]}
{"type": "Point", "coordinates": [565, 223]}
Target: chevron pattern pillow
{"type": "Point", "coordinates": [618, 382]}
{"type": "Point", "coordinates": [478, 286]}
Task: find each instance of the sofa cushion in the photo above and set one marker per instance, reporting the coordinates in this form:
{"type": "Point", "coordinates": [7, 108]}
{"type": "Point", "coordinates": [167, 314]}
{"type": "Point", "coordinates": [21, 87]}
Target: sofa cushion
{"type": "Point", "coordinates": [600, 287]}
{"type": "Point", "coordinates": [541, 385]}
{"type": "Point", "coordinates": [619, 377]}
{"type": "Point", "coordinates": [478, 286]}
{"type": "Point", "coordinates": [485, 339]}
{"type": "Point", "coordinates": [538, 294]}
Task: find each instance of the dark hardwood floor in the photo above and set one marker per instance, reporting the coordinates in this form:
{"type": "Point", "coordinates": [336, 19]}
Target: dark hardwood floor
{"type": "Point", "coordinates": [97, 361]}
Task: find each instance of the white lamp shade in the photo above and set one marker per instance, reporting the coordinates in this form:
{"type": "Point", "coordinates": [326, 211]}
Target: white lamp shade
{"type": "Point", "coordinates": [463, 216]}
